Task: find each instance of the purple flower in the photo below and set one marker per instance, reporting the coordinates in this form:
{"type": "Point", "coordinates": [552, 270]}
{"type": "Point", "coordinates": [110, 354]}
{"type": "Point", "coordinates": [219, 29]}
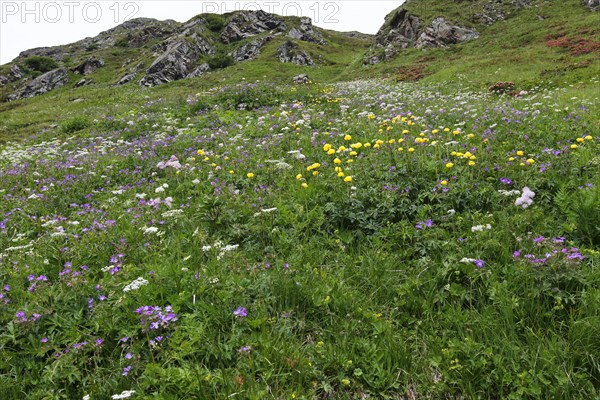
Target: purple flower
{"type": "Point", "coordinates": [539, 239]}
{"type": "Point", "coordinates": [128, 356]}
{"type": "Point", "coordinates": [44, 340]}
{"type": "Point", "coordinates": [479, 263]}
{"type": "Point", "coordinates": [517, 254]}
{"type": "Point", "coordinates": [429, 223]}
{"type": "Point", "coordinates": [240, 312]}
{"type": "Point", "coordinates": [245, 349]}
{"type": "Point", "coordinates": [126, 370]}
{"type": "Point", "coordinates": [506, 181]}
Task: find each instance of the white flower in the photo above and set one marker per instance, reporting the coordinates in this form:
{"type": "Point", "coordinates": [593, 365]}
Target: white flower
{"type": "Point", "coordinates": [86, 397]}
{"type": "Point", "coordinates": [149, 230]}
{"type": "Point", "coordinates": [159, 189]}
{"type": "Point", "coordinates": [136, 284]}
{"type": "Point", "coordinates": [196, 181]}
{"type": "Point", "coordinates": [451, 211]}
{"type": "Point", "coordinates": [124, 395]}
{"type": "Point", "coordinates": [467, 260]}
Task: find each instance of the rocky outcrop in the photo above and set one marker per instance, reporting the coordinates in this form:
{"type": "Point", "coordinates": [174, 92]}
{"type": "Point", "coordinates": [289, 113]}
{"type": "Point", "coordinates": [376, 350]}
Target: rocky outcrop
{"type": "Point", "coordinates": [402, 30]}
{"type": "Point", "coordinates": [306, 32]}
{"type": "Point", "coordinates": [250, 50]}
{"type": "Point", "coordinates": [289, 52]}
{"type": "Point", "coordinates": [245, 24]}
{"type": "Point", "coordinates": [442, 34]}
{"type": "Point", "coordinates": [89, 66]}
{"type": "Point", "coordinates": [593, 5]}
{"type": "Point", "coordinates": [200, 70]}
{"type": "Point", "coordinates": [15, 74]}
{"type": "Point", "coordinates": [174, 64]}
{"type": "Point", "coordinates": [42, 84]}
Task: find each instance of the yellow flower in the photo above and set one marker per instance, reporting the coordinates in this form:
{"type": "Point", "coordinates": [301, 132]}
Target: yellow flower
{"type": "Point", "coordinates": [470, 136]}
{"type": "Point", "coordinates": [331, 152]}
{"type": "Point", "coordinates": [411, 149]}
{"type": "Point", "coordinates": [511, 159]}
{"type": "Point", "coordinates": [348, 179]}
{"type": "Point", "coordinates": [376, 146]}
{"type": "Point", "coordinates": [472, 158]}
{"type": "Point", "coordinates": [379, 142]}
{"type": "Point", "coordinates": [341, 149]}
{"type": "Point", "coordinates": [231, 171]}
{"type": "Point", "coordinates": [304, 185]}
{"type": "Point", "coordinates": [356, 145]}
{"type": "Point", "coordinates": [341, 174]}
{"type": "Point", "coordinates": [433, 132]}
{"type": "Point", "coordinates": [444, 182]}
{"type": "Point", "coordinates": [337, 161]}
{"type": "Point", "coordinates": [338, 169]}
{"type": "Point", "coordinates": [520, 153]}
{"type": "Point", "coordinates": [326, 147]}
{"type": "Point", "coordinates": [350, 161]}
{"type": "Point", "coordinates": [453, 153]}
{"type": "Point", "coordinates": [353, 153]}
{"type": "Point", "coordinates": [471, 163]}
{"type": "Point", "coordinates": [580, 140]}
{"type": "Point", "coordinates": [446, 129]}
{"type": "Point", "coordinates": [456, 132]}
{"type": "Point", "coordinates": [530, 161]}
{"type": "Point", "coordinates": [347, 137]}
{"type": "Point", "coordinates": [404, 132]}
{"type": "Point", "coordinates": [200, 152]}
{"type": "Point", "coordinates": [392, 141]}
{"type": "Point", "coordinates": [299, 176]}
{"type": "Point", "coordinates": [315, 173]}
{"type": "Point", "coordinates": [573, 146]}
{"type": "Point", "coordinates": [400, 148]}
{"type": "Point", "coordinates": [588, 137]}
{"type": "Point", "coordinates": [250, 175]}
{"type": "Point", "coordinates": [346, 381]}
{"type": "Point", "coordinates": [449, 165]}
{"type": "Point", "coordinates": [367, 144]}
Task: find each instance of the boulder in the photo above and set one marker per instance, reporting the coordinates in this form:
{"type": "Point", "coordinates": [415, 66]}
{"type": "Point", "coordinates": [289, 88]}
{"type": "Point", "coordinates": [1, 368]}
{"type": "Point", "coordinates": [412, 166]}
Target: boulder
{"type": "Point", "coordinates": [42, 84]}
{"type": "Point", "coordinates": [250, 50]}
{"type": "Point", "coordinates": [126, 78]}
{"type": "Point", "coordinates": [245, 24]}
{"type": "Point", "coordinates": [592, 5]}
{"type": "Point", "coordinates": [88, 67]}
{"type": "Point", "coordinates": [289, 52]}
{"type": "Point", "coordinates": [441, 34]}
{"type": "Point", "coordinates": [301, 79]}
{"type": "Point", "coordinates": [15, 74]}
{"type": "Point", "coordinates": [306, 32]}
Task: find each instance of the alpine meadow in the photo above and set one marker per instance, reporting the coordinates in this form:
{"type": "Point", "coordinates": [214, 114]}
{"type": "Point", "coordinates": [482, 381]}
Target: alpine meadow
{"type": "Point", "coordinates": [248, 206]}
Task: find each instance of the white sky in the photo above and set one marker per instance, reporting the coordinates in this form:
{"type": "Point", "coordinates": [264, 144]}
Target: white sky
{"type": "Point", "coordinates": [28, 24]}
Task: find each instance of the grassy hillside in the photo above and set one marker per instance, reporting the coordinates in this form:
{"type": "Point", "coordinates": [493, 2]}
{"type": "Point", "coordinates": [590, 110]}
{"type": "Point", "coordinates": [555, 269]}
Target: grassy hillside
{"type": "Point", "coordinates": [553, 43]}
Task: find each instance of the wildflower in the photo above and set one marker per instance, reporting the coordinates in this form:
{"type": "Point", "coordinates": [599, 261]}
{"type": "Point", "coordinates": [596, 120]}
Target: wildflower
{"type": "Point", "coordinates": [530, 161]}
{"type": "Point", "coordinates": [304, 185]}
{"type": "Point", "coordinates": [240, 312]}
{"type": "Point", "coordinates": [449, 165]}
{"type": "Point", "coordinates": [250, 175]}
{"type": "Point", "coordinates": [348, 179]}
{"type": "Point", "coordinates": [345, 381]}
{"type": "Point", "coordinates": [337, 161]}
{"type": "Point", "coordinates": [588, 137]}
{"type": "Point", "coordinates": [444, 182]}
{"type": "Point", "coordinates": [573, 146]}
{"type": "Point", "coordinates": [245, 350]}
{"type": "Point", "coordinates": [125, 394]}
{"type": "Point", "coordinates": [327, 147]}
{"type": "Point", "coordinates": [479, 263]}
{"type": "Point", "coordinates": [347, 138]}
{"type": "Point", "coordinates": [520, 153]}
{"type": "Point", "coordinates": [472, 163]}
{"type": "Point", "coordinates": [411, 149]}
{"type": "Point", "coordinates": [299, 176]}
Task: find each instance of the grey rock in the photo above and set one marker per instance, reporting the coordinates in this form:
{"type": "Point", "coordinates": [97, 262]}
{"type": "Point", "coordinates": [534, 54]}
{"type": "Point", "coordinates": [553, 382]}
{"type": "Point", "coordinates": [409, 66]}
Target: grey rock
{"type": "Point", "coordinates": [16, 72]}
{"type": "Point", "coordinates": [198, 71]}
{"type": "Point", "coordinates": [289, 52]}
{"type": "Point", "coordinates": [176, 62]}
{"type": "Point", "coordinates": [89, 66]}
{"type": "Point", "coordinates": [306, 32]}
{"type": "Point", "coordinates": [126, 78]}
{"type": "Point", "coordinates": [593, 5]}
{"type": "Point", "coordinates": [442, 34]}
{"type": "Point", "coordinates": [82, 83]}
{"type": "Point", "coordinates": [245, 24]}
{"type": "Point", "coordinates": [4, 80]}
{"type": "Point", "coordinates": [250, 50]}
{"type": "Point", "coordinates": [42, 84]}
{"type": "Point", "coordinates": [301, 79]}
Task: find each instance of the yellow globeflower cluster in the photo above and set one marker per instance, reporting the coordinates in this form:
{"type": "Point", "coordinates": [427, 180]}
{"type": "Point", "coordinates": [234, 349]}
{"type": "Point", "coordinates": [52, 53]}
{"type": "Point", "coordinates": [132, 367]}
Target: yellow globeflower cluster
{"type": "Point", "coordinates": [313, 167]}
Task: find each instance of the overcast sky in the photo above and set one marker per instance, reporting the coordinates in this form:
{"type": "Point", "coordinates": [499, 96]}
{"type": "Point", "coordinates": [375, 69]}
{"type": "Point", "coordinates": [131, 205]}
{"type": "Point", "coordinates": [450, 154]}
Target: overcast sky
{"type": "Point", "coordinates": [28, 24]}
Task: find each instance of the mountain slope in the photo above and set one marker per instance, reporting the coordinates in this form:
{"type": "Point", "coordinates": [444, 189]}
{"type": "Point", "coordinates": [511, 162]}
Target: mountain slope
{"type": "Point", "coordinates": [525, 41]}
